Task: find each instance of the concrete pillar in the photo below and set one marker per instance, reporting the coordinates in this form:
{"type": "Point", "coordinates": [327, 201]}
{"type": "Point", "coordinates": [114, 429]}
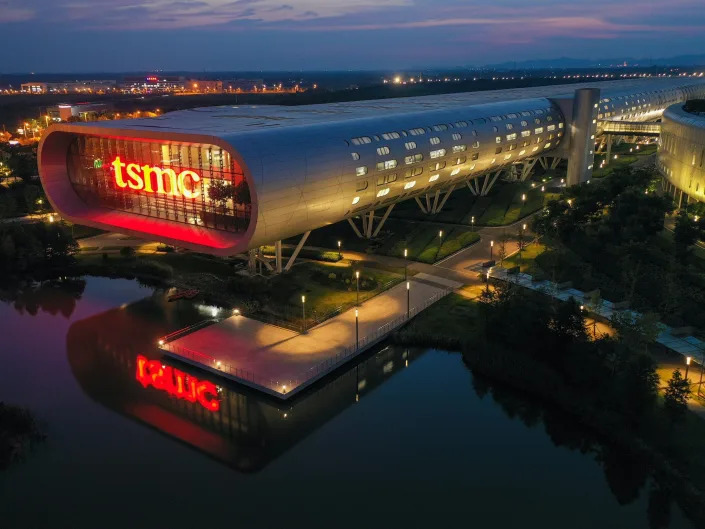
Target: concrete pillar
{"type": "Point", "coordinates": [582, 135]}
{"type": "Point", "coordinates": [609, 149]}
{"type": "Point", "coordinates": [278, 256]}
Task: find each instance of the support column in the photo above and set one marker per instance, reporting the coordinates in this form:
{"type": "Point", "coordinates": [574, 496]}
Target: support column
{"type": "Point", "coordinates": [370, 221]}
{"type": "Point", "coordinates": [352, 225]}
{"type": "Point", "coordinates": [383, 219]}
{"type": "Point", "coordinates": [445, 198]}
{"type": "Point", "coordinates": [582, 135]}
{"type": "Point", "coordinates": [278, 256]}
{"type": "Point", "coordinates": [423, 208]}
{"type": "Point", "coordinates": [609, 149]}
{"type": "Point", "coordinates": [294, 255]}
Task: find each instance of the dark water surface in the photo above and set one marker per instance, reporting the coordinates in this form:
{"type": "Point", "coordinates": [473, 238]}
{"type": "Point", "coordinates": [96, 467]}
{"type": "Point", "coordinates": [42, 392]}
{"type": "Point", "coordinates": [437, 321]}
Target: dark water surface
{"type": "Point", "coordinates": [407, 438]}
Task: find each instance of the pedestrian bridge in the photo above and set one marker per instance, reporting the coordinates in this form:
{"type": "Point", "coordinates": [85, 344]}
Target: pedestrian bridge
{"type": "Point", "coordinates": [630, 128]}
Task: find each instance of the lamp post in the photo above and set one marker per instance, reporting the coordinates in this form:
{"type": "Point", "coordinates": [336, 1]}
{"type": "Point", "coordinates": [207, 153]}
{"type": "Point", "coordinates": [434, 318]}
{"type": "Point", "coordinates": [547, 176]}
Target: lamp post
{"type": "Point", "coordinates": [440, 241]}
{"type": "Point", "coordinates": [491, 246]}
{"type": "Point", "coordinates": [339, 255]}
{"type": "Point", "coordinates": [357, 330]}
{"type": "Point", "coordinates": [523, 198]}
{"type": "Point", "coordinates": [687, 365]}
{"type": "Point", "coordinates": [472, 222]}
{"type": "Point", "coordinates": [357, 286]}
{"type": "Point", "coordinates": [303, 313]}
{"type": "Point", "coordinates": [408, 297]}
{"type": "Point", "coordinates": [406, 263]}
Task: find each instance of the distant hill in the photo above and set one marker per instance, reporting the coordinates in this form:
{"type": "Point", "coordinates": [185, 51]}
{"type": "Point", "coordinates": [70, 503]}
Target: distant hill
{"type": "Point", "coordinates": [568, 62]}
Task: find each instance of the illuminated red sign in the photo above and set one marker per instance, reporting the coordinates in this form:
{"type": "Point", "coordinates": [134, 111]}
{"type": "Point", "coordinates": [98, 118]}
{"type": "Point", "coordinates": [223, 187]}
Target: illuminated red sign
{"type": "Point", "coordinates": [177, 383]}
{"type": "Point", "coordinates": [159, 180]}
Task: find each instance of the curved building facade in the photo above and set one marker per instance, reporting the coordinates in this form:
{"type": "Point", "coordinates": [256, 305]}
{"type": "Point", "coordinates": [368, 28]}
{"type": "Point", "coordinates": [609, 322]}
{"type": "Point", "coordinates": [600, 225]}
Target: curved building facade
{"type": "Point", "coordinates": [681, 154]}
{"type": "Point", "coordinates": [227, 179]}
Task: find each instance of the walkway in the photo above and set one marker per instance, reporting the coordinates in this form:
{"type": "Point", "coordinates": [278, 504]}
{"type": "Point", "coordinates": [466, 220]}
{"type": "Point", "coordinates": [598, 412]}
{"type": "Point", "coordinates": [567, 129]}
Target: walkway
{"type": "Point", "coordinates": [281, 362]}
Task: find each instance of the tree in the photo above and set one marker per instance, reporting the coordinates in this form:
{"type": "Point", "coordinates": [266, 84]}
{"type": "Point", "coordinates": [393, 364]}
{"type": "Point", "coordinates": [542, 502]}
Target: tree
{"type": "Point", "coordinates": [675, 398]}
{"type": "Point", "coordinates": [636, 331]}
{"type": "Point", "coordinates": [685, 234]}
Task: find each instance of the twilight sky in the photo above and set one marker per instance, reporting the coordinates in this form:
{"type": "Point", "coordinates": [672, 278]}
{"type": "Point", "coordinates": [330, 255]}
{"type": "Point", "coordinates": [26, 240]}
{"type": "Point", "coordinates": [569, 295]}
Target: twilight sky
{"type": "Point", "coordinates": [119, 35]}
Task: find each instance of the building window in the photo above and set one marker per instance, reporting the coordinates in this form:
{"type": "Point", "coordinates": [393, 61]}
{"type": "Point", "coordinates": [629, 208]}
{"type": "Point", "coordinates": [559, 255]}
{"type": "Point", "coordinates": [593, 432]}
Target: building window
{"type": "Point", "coordinates": [382, 151]}
{"type": "Point", "coordinates": [383, 192]}
{"type": "Point", "coordinates": [409, 185]}
{"type": "Point", "coordinates": [361, 171]}
{"type": "Point", "coordinates": [475, 155]}
{"type": "Point", "coordinates": [475, 144]}
{"type": "Point", "coordinates": [538, 130]}
{"type": "Point", "coordinates": [498, 150]}
{"type": "Point", "coordinates": [441, 127]}
{"type": "Point", "coordinates": [461, 124]}
{"type": "Point", "coordinates": [551, 127]}
{"type": "Point", "coordinates": [391, 136]}
{"type": "Point", "coordinates": [386, 164]}
{"type": "Point", "coordinates": [386, 179]}
{"type": "Point", "coordinates": [414, 171]}
{"type": "Point", "coordinates": [417, 132]}
{"type": "Point", "coordinates": [361, 185]}
{"type": "Point", "coordinates": [512, 136]}
{"type": "Point", "coordinates": [459, 148]}
{"type": "Point", "coordinates": [455, 171]}
{"type": "Point", "coordinates": [413, 158]}
{"type": "Point", "coordinates": [355, 200]}
{"type": "Point", "coordinates": [498, 139]}
{"type": "Point", "coordinates": [438, 153]}
{"type": "Point", "coordinates": [509, 126]}
{"type": "Point", "coordinates": [355, 156]}
{"type": "Point", "coordinates": [457, 136]}
{"type": "Point", "coordinates": [434, 177]}
{"type": "Point", "coordinates": [460, 160]}
{"type": "Point", "coordinates": [524, 123]}
{"type": "Point", "coordinates": [361, 140]}
{"type": "Point", "coordinates": [435, 140]}
{"type": "Point", "coordinates": [437, 166]}
{"type": "Point", "coordinates": [410, 145]}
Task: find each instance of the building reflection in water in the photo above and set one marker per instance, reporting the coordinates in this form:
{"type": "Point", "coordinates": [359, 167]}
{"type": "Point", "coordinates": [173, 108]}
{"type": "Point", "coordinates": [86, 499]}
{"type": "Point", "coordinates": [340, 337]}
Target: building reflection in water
{"type": "Point", "coordinates": [112, 355]}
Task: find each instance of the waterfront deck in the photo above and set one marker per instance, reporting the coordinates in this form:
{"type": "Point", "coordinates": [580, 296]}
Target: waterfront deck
{"type": "Point", "coordinates": [282, 362]}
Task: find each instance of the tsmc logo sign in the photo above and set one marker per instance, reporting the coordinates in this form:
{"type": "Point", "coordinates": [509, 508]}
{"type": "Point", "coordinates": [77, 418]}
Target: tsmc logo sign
{"type": "Point", "coordinates": [177, 383]}
{"type": "Point", "coordinates": [159, 180]}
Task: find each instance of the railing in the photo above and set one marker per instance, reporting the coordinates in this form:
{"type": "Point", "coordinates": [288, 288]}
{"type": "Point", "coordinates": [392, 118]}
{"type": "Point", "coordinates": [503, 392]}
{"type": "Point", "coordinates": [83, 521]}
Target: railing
{"type": "Point", "coordinates": [186, 330]}
{"type": "Point", "coordinates": [242, 374]}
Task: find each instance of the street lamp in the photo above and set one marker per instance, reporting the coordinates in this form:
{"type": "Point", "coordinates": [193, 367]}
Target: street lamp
{"type": "Point", "coordinates": [472, 222]}
{"type": "Point", "coordinates": [687, 365]}
{"type": "Point", "coordinates": [406, 263]}
{"type": "Point", "coordinates": [357, 286]}
{"type": "Point", "coordinates": [303, 313]}
{"type": "Point", "coordinates": [523, 197]}
{"type": "Point", "coordinates": [357, 330]}
{"type": "Point", "coordinates": [440, 239]}
{"type": "Point", "coordinates": [408, 296]}
{"type": "Point", "coordinates": [491, 246]}
{"type": "Point", "coordinates": [339, 256]}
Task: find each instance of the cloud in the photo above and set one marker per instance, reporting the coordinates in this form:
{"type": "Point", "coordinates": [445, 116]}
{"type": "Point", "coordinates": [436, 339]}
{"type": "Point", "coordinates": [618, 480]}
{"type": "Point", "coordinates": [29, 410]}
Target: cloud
{"type": "Point", "coordinates": [13, 12]}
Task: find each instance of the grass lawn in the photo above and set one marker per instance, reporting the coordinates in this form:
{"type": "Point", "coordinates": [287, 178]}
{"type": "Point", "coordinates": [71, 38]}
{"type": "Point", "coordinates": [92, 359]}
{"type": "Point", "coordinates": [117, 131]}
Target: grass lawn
{"type": "Point", "coordinates": [455, 315]}
{"type": "Point", "coordinates": [528, 256]}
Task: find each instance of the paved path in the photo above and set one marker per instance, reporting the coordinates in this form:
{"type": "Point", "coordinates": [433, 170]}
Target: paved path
{"type": "Point", "coordinates": [282, 362]}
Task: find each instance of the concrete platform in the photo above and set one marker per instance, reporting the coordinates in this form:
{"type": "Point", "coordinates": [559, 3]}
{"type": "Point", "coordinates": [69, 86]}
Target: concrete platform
{"type": "Point", "coordinates": [281, 362]}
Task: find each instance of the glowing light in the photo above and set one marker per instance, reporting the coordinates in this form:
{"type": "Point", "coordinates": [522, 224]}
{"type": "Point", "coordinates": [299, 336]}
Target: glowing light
{"type": "Point", "coordinates": [139, 178]}
{"type": "Point", "coordinates": [176, 383]}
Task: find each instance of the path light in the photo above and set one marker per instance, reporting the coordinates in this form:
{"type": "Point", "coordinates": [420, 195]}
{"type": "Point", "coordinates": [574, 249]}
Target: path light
{"type": "Point", "coordinates": [687, 365]}
{"type": "Point", "coordinates": [408, 296]}
{"type": "Point", "coordinates": [303, 313]}
{"type": "Point", "coordinates": [357, 286]}
{"type": "Point", "coordinates": [523, 197]}
{"type": "Point", "coordinates": [236, 312]}
{"type": "Point", "coordinates": [357, 330]}
{"type": "Point", "coordinates": [406, 263]}
{"type": "Point", "coordinates": [491, 246]}
{"type": "Point", "coordinates": [339, 256]}
{"type": "Point", "coordinates": [543, 188]}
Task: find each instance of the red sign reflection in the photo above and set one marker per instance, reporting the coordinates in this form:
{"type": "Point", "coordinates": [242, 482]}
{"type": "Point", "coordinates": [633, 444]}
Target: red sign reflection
{"type": "Point", "coordinates": [177, 383]}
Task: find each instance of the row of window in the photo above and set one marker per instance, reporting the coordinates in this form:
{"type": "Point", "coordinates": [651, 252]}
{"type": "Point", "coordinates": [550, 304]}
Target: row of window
{"type": "Point", "coordinates": [418, 131]}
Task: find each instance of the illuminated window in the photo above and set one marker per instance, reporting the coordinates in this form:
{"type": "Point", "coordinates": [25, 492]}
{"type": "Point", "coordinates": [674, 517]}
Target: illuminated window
{"type": "Point", "coordinates": [525, 133]}
{"type": "Point", "coordinates": [355, 156]}
{"type": "Point", "coordinates": [457, 136]}
{"type": "Point", "coordinates": [386, 164]}
{"type": "Point", "coordinates": [409, 185]}
{"type": "Point", "coordinates": [461, 124]}
{"type": "Point", "coordinates": [475, 144]}
{"type": "Point", "coordinates": [538, 130]}
{"type": "Point", "coordinates": [361, 171]}
{"type": "Point", "coordinates": [361, 185]}
{"type": "Point", "coordinates": [382, 151]}
{"type": "Point", "coordinates": [413, 158]}
{"type": "Point", "coordinates": [524, 123]}
{"type": "Point", "coordinates": [415, 171]}
{"type": "Point", "coordinates": [551, 127]}
{"type": "Point", "coordinates": [386, 179]}
{"type": "Point", "coordinates": [475, 155]}
{"type": "Point", "coordinates": [438, 153]}
{"type": "Point", "coordinates": [410, 145]}
{"type": "Point", "coordinates": [383, 192]}
{"type": "Point", "coordinates": [391, 136]}
{"type": "Point", "coordinates": [512, 136]}
{"type": "Point", "coordinates": [455, 171]}
{"type": "Point", "coordinates": [459, 148]}
{"type": "Point", "coordinates": [436, 166]}
{"type": "Point", "coordinates": [417, 131]}
{"type": "Point", "coordinates": [434, 178]}
{"type": "Point", "coordinates": [435, 140]}
{"type": "Point", "coordinates": [498, 139]}
{"type": "Point", "coordinates": [460, 160]}
{"type": "Point", "coordinates": [355, 200]}
{"type": "Point", "coordinates": [439, 128]}
{"type": "Point", "coordinates": [361, 140]}
{"type": "Point", "coordinates": [509, 126]}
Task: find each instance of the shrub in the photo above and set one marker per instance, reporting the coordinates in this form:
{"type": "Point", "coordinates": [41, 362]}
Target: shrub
{"type": "Point", "coordinates": [127, 251]}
